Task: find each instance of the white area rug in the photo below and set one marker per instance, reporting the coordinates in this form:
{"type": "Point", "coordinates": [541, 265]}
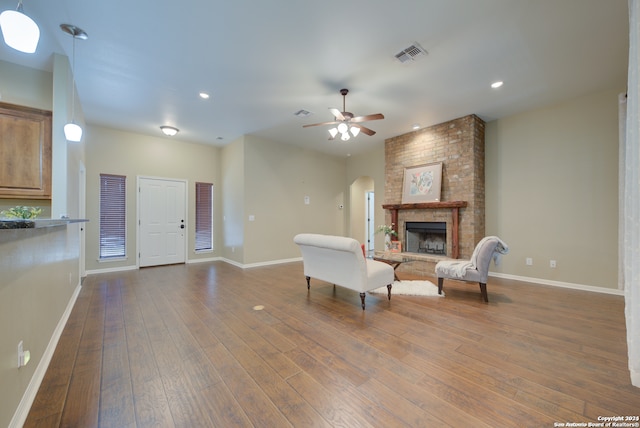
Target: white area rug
{"type": "Point", "coordinates": [411, 288]}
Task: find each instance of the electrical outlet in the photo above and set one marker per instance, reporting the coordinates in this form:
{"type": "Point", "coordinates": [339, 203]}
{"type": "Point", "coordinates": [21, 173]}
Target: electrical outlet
{"type": "Point", "coordinates": [552, 263]}
{"type": "Point", "coordinates": [529, 261]}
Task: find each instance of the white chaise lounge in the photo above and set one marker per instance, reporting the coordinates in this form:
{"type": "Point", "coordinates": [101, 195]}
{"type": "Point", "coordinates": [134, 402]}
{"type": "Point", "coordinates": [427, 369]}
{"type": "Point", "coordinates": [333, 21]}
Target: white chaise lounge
{"type": "Point", "coordinates": [340, 261]}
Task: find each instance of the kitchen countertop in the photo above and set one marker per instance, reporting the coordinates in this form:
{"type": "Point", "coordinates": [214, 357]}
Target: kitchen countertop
{"type": "Point", "coordinates": [37, 223]}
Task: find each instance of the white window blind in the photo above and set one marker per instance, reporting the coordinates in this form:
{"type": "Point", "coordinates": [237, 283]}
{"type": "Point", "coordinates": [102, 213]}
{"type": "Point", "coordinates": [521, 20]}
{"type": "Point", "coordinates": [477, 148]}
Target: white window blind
{"type": "Point", "coordinates": [204, 216]}
{"type": "Point", "coordinates": [112, 216]}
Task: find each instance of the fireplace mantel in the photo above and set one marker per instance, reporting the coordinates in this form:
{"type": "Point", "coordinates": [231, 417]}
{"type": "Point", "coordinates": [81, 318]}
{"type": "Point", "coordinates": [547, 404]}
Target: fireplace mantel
{"type": "Point", "coordinates": [454, 206]}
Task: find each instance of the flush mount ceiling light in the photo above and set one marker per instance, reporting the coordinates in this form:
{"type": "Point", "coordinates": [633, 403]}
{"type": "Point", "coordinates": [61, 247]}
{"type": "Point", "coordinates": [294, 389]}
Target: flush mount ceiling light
{"type": "Point", "coordinates": [73, 131]}
{"type": "Point", "coordinates": [496, 85]}
{"type": "Point", "coordinates": [19, 31]}
{"type": "Point", "coordinates": [169, 131]}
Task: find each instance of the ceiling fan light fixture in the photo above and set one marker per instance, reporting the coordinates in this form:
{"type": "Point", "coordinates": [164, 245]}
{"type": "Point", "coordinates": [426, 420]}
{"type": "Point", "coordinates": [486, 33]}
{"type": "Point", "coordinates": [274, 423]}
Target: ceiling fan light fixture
{"type": "Point", "coordinates": [19, 31]}
{"type": "Point", "coordinates": [169, 131]}
{"type": "Point", "coordinates": [345, 136]}
{"type": "Point", "coordinates": [342, 128]}
{"type": "Point", "coordinates": [354, 131]}
{"type": "Point", "coordinates": [333, 132]}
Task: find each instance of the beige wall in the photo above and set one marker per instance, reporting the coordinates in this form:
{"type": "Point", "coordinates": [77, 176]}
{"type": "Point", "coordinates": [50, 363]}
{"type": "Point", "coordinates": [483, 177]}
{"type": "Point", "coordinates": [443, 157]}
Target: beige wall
{"type": "Point", "coordinates": [233, 197]}
{"type": "Point", "coordinates": [552, 190]}
{"type": "Point", "coordinates": [132, 155]}
{"type": "Point", "coordinates": [277, 179]}
{"type": "Point", "coordinates": [40, 268]}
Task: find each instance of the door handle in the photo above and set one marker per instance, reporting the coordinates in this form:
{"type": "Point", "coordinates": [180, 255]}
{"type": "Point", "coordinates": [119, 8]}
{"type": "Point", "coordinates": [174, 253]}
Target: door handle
{"type": "Point", "coordinates": [182, 226]}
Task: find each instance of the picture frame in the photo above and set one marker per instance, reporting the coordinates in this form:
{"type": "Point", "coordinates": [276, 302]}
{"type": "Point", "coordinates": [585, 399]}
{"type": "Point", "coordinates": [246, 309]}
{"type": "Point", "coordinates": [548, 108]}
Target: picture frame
{"type": "Point", "coordinates": [422, 183]}
{"type": "Point", "coordinates": [395, 247]}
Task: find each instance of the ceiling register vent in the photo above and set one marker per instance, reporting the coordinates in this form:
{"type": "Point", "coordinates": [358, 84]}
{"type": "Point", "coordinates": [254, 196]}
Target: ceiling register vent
{"type": "Point", "coordinates": [411, 53]}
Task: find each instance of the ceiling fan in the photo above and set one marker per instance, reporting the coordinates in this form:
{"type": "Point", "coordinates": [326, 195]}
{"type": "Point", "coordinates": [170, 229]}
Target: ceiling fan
{"type": "Point", "coordinates": [347, 124]}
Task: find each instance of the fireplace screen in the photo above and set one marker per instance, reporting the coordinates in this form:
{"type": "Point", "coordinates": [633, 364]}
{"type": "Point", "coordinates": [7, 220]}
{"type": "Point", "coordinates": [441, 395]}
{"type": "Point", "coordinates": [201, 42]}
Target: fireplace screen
{"type": "Point", "coordinates": [428, 237]}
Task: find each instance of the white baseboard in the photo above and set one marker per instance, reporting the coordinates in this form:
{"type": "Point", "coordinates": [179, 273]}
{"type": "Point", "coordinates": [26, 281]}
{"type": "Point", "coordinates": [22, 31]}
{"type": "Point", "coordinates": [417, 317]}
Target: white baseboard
{"type": "Point", "coordinates": [114, 269]}
{"type": "Point", "coordinates": [209, 259]}
{"type": "Point", "coordinates": [260, 264]}
{"type": "Point", "coordinates": [20, 416]}
{"type": "Point", "coordinates": [583, 287]}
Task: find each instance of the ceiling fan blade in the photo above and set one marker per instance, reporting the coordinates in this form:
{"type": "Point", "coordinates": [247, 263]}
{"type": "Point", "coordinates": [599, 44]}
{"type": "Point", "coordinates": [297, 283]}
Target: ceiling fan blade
{"type": "Point", "coordinates": [364, 129]}
{"type": "Point", "coordinates": [368, 117]}
{"type": "Point", "coordinates": [337, 113]}
{"type": "Point", "coordinates": [321, 123]}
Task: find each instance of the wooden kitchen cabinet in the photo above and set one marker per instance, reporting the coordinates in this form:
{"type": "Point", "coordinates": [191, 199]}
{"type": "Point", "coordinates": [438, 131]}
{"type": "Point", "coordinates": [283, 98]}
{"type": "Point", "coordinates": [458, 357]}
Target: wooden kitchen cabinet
{"type": "Point", "coordinates": [25, 152]}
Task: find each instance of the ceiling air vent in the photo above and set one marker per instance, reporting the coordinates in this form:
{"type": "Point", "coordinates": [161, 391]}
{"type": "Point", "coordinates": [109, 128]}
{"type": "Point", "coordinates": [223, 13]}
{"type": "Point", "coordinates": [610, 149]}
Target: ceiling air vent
{"type": "Point", "coordinates": [302, 113]}
{"type": "Point", "coordinates": [411, 53]}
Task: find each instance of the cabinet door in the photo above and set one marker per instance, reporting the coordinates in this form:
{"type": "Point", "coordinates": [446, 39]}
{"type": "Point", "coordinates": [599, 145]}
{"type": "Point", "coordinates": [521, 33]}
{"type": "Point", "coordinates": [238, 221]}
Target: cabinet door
{"type": "Point", "coordinates": [25, 152]}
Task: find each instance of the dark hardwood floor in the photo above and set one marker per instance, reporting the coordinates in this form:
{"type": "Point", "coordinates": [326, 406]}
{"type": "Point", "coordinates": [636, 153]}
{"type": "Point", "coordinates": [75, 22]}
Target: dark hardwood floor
{"type": "Point", "coordinates": [185, 346]}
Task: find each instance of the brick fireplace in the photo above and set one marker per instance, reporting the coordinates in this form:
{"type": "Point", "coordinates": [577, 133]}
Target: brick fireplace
{"type": "Point", "coordinates": [459, 145]}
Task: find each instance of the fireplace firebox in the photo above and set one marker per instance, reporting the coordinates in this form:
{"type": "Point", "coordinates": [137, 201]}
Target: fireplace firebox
{"type": "Point", "coordinates": [428, 237]}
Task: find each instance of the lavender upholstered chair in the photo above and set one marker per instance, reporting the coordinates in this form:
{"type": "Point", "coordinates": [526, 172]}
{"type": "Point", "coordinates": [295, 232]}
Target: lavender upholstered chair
{"type": "Point", "coordinates": [476, 269]}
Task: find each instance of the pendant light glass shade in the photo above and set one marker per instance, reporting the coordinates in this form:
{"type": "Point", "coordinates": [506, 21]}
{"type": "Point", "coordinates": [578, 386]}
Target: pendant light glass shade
{"type": "Point", "coordinates": [19, 31]}
{"type": "Point", "coordinates": [333, 132]}
{"type": "Point", "coordinates": [73, 132]}
{"type": "Point", "coordinates": [354, 131]}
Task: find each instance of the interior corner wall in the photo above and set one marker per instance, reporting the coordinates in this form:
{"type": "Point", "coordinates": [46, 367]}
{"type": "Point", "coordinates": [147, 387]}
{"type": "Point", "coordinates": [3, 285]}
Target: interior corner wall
{"type": "Point", "coordinates": [279, 180]}
{"type": "Point", "coordinates": [552, 190]}
{"type": "Point", "coordinates": [232, 171]}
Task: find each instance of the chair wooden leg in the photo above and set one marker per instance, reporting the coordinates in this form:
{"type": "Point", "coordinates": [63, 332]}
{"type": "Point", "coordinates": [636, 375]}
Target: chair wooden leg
{"type": "Point", "coordinates": [389, 290]}
{"type": "Point", "coordinates": [362, 298]}
{"type": "Point", "coordinates": [308, 282]}
{"type": "Point", "coordinates": [440, 282]}
{"type": "Point", "coordinates": [483, 290]}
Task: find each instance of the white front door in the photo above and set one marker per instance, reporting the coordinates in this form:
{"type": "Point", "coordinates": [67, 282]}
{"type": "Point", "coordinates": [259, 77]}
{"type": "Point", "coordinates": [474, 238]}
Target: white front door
{"type": "Point", "coordinates": [162, 222]}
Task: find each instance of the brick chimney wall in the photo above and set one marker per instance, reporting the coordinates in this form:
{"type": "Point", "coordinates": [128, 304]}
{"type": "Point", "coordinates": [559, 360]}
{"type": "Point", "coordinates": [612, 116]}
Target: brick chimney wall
{"type": "Point", "coordinates": [459, 145]}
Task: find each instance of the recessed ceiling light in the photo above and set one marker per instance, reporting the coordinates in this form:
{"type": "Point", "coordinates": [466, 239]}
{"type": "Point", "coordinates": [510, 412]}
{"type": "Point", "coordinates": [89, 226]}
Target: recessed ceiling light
{"type": "Point", "coordinates": [204, 95]}
{"type": "Point", "coordinates": [496, 85]}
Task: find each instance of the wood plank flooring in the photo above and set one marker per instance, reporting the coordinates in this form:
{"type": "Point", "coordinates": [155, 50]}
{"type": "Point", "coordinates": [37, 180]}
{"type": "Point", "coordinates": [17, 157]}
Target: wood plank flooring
{"type": "Point", "coordinates": [184, 346]}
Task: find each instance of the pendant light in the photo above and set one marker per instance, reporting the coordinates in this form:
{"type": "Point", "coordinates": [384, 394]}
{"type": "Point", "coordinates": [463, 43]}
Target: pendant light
{"type": "Point", "coordinates": [73, 131]}
{"type": "Point", "coordinates": [19, 31]}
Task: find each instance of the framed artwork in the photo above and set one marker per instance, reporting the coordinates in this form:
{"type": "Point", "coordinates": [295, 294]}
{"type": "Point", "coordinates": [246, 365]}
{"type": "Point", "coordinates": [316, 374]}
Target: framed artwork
{"type": "Point", "coordinates": [422, 183]}
{"type": "Point", "coordinates": [395, 247]}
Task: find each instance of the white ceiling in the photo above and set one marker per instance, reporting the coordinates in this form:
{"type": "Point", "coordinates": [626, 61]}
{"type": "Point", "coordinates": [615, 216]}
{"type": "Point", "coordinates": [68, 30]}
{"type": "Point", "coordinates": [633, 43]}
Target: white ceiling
{"type": "Point", "coordinates": [262, 60]}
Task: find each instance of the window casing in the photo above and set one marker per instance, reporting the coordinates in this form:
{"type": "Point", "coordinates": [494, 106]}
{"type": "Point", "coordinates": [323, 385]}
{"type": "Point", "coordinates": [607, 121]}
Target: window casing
{"type": "Point", "coordinates": [204, 217]}
{"type": "Point", "coordinates": [113, 227]}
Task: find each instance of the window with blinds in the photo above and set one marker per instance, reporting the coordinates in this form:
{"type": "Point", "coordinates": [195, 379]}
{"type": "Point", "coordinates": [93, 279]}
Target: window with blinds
{"type": "Point", "coordinates": [112, 216]}
{"type": "Point", "coordinates": [204, 216]}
